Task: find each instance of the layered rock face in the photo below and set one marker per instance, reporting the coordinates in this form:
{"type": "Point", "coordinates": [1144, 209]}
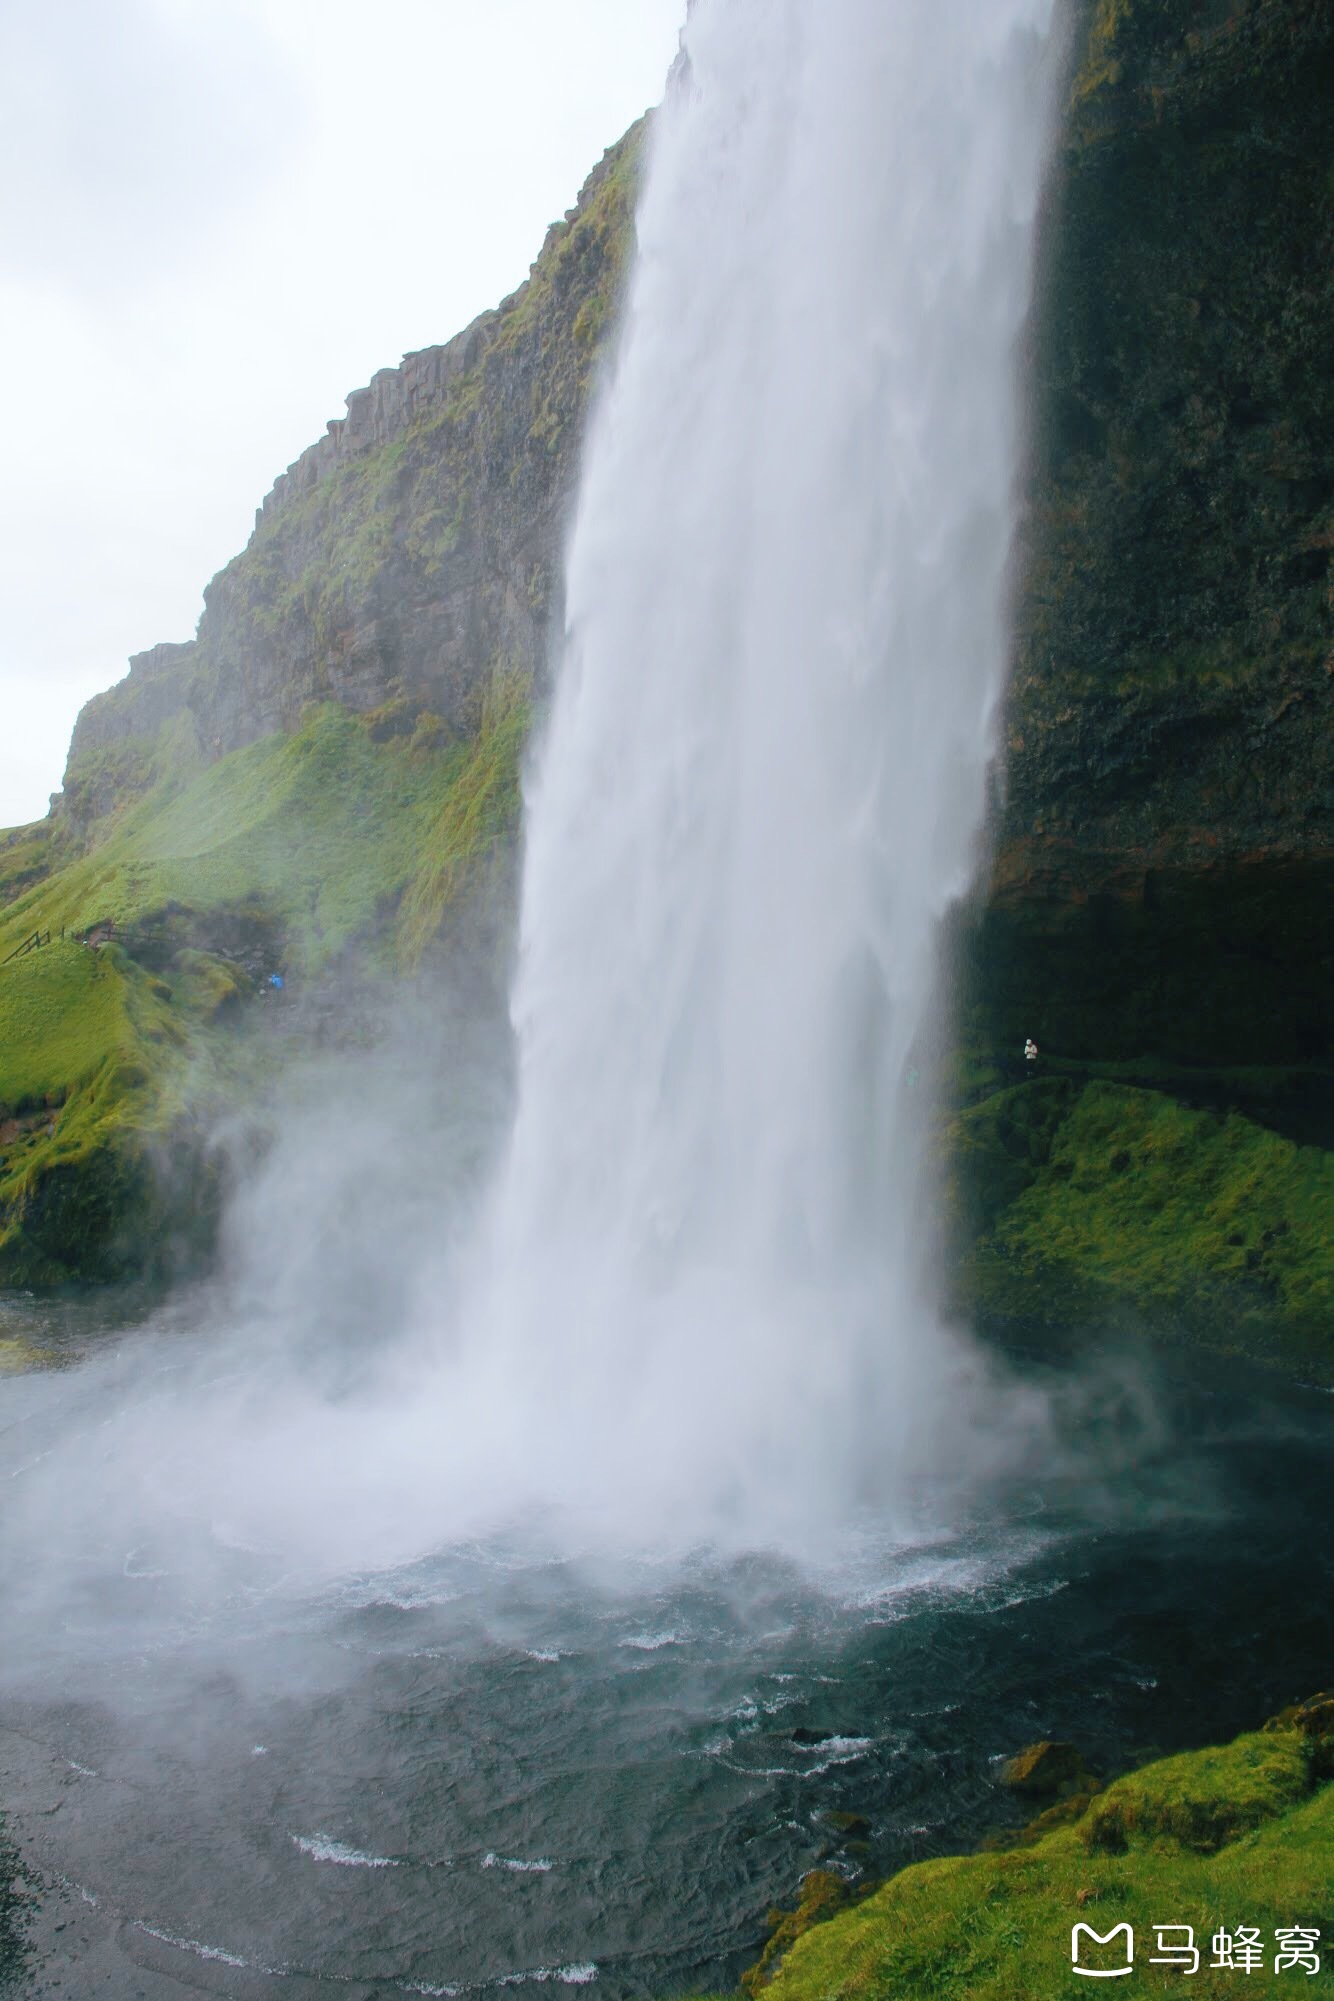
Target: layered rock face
{"type": "Point", "coordinates": [1156, 913]}
{"type": "Point", "coordinates": [415, 548]}
{"type": "Point", "coordinates": [1165, 855]}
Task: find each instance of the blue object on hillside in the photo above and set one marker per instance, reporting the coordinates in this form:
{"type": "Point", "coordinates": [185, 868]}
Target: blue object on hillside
{"type": "Point", "coordinates": [276, 980]}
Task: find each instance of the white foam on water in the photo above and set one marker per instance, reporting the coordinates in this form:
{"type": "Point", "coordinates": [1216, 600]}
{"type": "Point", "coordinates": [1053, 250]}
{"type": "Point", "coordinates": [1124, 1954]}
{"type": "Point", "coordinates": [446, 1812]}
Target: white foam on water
{"type": "Point", "coordinates": [577, 1975]}
{"type": "Point", "coordinates": [1030, 1594]}
{"type": "Point", "coordinates": [842, 1751]}
{"type": "Point", "coordinates": [322, 1848]}
{"type": "Point", "coordinates": [410, 1601]}
{"type": "Point", "coordinates": [540, 1867]}
{"type": "Point", "coordinates": [652, 1643]}
{"type": "Point", "coordinates": [195, 1947]}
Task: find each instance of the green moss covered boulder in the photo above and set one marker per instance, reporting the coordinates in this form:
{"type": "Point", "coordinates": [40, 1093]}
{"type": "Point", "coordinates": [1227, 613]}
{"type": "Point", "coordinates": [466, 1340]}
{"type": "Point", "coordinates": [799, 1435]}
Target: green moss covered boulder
{"type": "Point", "coordinates": [1215, 1840]}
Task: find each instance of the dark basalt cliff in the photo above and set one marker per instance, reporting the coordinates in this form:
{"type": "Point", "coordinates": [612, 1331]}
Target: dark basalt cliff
{"type": "Point", "coordinates": [1166, 845]}
{"type": "Point", "coordinates": [1157, 910]}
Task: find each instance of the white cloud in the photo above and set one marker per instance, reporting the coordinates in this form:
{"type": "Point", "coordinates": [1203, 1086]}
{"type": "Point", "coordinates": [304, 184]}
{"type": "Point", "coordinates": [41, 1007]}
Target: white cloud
{"type": "Point", "coordinates": [127, 132]}
{"type": "Point", "coordinates": [220, 216]}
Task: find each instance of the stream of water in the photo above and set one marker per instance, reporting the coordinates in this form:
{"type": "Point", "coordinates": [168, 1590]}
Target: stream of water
{"type": "Point", "coordinates": [764, 776]}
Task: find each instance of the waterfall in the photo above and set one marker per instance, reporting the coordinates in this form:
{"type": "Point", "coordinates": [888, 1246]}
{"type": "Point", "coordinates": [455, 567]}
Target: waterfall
{"type": "Point", "coordinates": [696, 1310]}
{"type": "Point", "coordinates": [765, 767]}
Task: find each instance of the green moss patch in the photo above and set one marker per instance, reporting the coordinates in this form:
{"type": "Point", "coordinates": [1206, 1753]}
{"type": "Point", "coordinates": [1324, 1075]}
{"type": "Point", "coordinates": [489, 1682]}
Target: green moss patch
{"type": "Point", "coordinates": [27, 854]}
{"type": "Point", "coordinates": [1204, 1799]}
{"type": "Point", "coordinates": [93, 1078]}
{"type": "Point", "coordinates": [62, 1011]}
{"type": "Point", "coordinates": [1215, 1840]}
{"type": "Point", "coordinates": [1046, 1770]}
{"type": "Point", "coordinates": [584, 258]}
{"type": "Point", "coordinates": [320, 830]}
{"type": "Point", "coordinates": [1102, 60]}
{"type": "Point", "coordinates": [1076, 1202]}
{"type": "Point", "coordinates": [823, 1894]}
{"type": "Point", "coordinates": [480, 813]}
{"type": "Point", "coordinates": [288, 853]}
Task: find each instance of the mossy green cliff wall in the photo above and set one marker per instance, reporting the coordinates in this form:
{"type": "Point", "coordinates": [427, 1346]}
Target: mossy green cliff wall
{"type": "Point", "coordinates": [416, 548]}
{"type": "Point", "coordinates": [1165, 847]}
{"type": "Point", "coordinates": [323, 784]}
{"type": "Point", "coordinates": [329, 857]}
{"type": "Point", "coordinates": [1156, 913]}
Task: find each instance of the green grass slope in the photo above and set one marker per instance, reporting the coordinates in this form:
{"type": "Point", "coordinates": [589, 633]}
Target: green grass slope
{"type": "Point", "coordinates": [94, 1077]}
{"type": "Point", "coordinates": [321, 828]}
{"type": "Point", "coordinates": [285, 855]}
{"type": "Point", "coordinates": [1216, 1840]}
{"type": "Point", "coordinates": [1086, 1201]}
{"type": "Point", "coordinates": [26, 855]}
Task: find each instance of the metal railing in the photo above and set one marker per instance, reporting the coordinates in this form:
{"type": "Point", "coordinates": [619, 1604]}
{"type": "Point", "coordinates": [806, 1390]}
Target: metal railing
{"type": "Point", "coordinates": [33, 944]}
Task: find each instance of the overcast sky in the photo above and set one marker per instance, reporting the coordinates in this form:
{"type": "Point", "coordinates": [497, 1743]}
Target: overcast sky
{"type": "Point", "coordinates": [216, 218]}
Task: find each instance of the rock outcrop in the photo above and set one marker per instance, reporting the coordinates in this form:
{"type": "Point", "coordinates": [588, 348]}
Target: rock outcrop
{"type": "Point", "coordinates": [1166, 842]}
{"type": "Point", "coordinates": [1156, 911]}
{"type": "Point", "coordinates": [416, 547]}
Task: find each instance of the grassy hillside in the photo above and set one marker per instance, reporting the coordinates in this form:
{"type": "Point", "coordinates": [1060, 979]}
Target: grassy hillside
{"type": "Point", "coordinates": [99, 1062]}
{"type": "Point", "coordinates": [348, 837]}
{"type": "Point", "coordinates": [319, 828]}
{"type": "Point", "coordinates": [1216, 1840]}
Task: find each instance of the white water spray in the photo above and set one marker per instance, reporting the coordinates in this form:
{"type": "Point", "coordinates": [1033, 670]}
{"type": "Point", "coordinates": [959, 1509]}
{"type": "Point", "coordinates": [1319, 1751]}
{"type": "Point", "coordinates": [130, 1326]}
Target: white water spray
{"type": "Point", "coordinates": [766, 764]}
{"type": "Point", "coordinates": [698, 1308]}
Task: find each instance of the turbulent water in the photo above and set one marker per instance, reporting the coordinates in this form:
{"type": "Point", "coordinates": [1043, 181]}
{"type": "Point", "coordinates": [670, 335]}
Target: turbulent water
{"type": "Point", "coordinates": [476, 1589]}
{"type": "Point", "coordinates": [497, 1766]}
